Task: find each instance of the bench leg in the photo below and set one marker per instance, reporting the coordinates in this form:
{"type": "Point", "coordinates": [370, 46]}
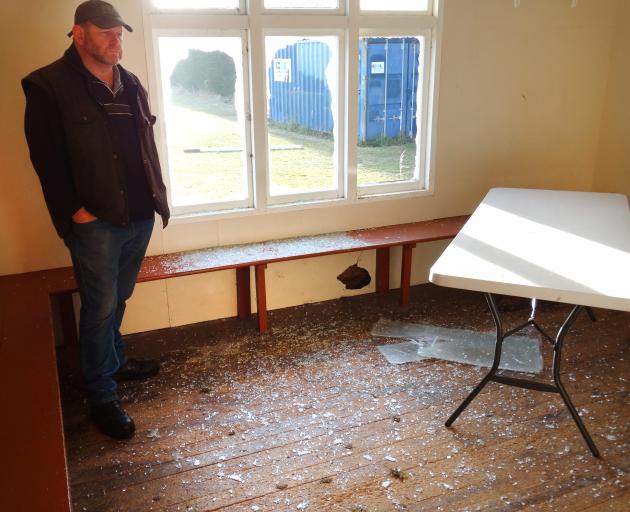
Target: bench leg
{"type": "Point", "coordinates": [405, 274]}
{"type": "Point", "coordinates": [68, 320]}
{"type": "Point", "coordinates": [243, 299]}
{"type": "Point", "coordinates": [69, 331]}
{"type": "Point", "coordinates": [261, 297]}
{"type": "Point", "coordinates": [382, 270]}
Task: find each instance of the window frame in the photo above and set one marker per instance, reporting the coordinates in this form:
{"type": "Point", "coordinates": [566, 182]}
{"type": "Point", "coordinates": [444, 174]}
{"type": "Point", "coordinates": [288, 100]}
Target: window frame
{"type": "Point", "coordinates": [213, 206]}
{"type": "Point", "coordinates": [339, 10]}
{"type": "Point", "coordinates": [350, 24]}
{"type": "Point", "coordinates": [153, 9]}
{"type": "Point", "coordinates": [419, 12]}
{"type": "Point", "coordinates": [418, 183]}
{"type": "Point", "coordinates": [338, 128]}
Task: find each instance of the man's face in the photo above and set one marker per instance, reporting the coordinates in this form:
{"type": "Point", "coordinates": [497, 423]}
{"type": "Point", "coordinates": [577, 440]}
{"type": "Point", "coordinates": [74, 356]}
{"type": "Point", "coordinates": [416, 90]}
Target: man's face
{"type": "Point", "coordinates": [102, 44]}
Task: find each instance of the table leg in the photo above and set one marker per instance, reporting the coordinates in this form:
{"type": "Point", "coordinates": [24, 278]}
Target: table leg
{"type": "Point", "coordinates": [557, 349]}
{"type": "Point", "coordinates": [495, 363]}
{"type": "Point", "coordinates": [531, 321]}
{"type": "Point", "coordinates": [523, 383]}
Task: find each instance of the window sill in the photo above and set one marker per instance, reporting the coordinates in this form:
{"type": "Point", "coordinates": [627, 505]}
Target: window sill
{"type": "Point", "coordinates": [185, 218]}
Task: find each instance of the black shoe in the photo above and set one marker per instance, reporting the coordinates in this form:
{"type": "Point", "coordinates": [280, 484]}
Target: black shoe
{"type": "Point", "coordinates": [137, 369]}
{"type": "Point", "coordinates": [112, 420]}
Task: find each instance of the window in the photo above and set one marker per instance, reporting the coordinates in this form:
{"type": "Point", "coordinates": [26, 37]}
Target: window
{"type": "Point", "coordinates": [303, 116]}
{"type": "Point", "coordinates": [301, 4]}
{"type": "Point", "coordinates": [395, 5]}
{"type": "Point", "coordinates": [292, 101]}
{"type": "Point", "coordinates": [197, 4]}
{"type": "Point", "coordinates": [390, 106]}
{"type": "Point", "coordinates": [202, 100]}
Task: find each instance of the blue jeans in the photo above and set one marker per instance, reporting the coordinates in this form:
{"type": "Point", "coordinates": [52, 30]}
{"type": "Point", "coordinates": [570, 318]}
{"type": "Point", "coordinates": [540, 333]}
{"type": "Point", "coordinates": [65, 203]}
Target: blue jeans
{"type": "Point", "coordinates": [106, 260]}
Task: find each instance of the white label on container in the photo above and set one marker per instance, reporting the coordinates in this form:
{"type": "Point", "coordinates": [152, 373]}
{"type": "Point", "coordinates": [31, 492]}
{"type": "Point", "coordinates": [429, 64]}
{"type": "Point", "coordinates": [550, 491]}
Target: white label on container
{"type": "Point", "coordinates": [281, 70]}
{"type": "Point", "coordinates": [378, 68]}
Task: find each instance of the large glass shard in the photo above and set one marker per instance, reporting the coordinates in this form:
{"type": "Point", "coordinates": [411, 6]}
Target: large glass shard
{"type": "Point", "coordinates": [520, 353]}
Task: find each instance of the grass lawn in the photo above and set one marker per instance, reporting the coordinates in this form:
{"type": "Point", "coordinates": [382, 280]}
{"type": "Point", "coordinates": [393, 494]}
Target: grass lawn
{"type": "Point", "coordinates": [217, 173]}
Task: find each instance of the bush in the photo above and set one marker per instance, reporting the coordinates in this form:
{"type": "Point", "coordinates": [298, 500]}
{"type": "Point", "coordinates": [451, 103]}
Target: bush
{"type": "Point", "coordinates": [212, 72]}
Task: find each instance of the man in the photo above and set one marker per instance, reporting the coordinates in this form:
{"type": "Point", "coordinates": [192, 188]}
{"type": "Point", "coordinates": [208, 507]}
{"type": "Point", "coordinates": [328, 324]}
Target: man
{"type": "Point", "coordinates": [90, 135]}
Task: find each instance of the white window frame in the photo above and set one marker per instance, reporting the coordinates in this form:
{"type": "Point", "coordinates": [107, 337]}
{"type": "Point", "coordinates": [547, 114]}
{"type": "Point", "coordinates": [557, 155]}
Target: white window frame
{"type": "Point", "coordinates": [349, 23]}
{"type": "Point", "coordinates": [213, 206]}
{"type": "Point", "coordinates": [151, 8]}
{"type": "Point", "coordinates": [338, 128]}
{"type": "Point", "coordinates": [421, 12]}
{"type": "Point", "coordinates": [339, 10]}
{"type": "Point", "coordinates": [418, 182]}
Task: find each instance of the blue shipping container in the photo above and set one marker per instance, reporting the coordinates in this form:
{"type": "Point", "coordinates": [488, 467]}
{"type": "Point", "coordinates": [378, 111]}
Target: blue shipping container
{"type": "Point", "coordinates": [388, 84]}
{"type": "Point", "coordinates": [299, 93]}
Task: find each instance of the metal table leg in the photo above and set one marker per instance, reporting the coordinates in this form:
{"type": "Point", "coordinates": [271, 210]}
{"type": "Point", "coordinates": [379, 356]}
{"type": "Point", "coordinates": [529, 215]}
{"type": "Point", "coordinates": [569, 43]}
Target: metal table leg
{"type": "Point", "coordinates": [557, 387]}
{"type": "Point", "coordinates": [495, 363]}
{"type": "Point", "coordinates": [557, 349]}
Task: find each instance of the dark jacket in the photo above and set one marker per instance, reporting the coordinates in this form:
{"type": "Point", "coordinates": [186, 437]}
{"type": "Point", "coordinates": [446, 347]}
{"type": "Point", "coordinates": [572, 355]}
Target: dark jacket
{"type": "Point", "coordinates": [72, 149]}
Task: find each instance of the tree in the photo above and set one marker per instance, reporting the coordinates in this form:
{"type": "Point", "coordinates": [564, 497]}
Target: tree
{"type": "Point", "coordinates": [201, 71]}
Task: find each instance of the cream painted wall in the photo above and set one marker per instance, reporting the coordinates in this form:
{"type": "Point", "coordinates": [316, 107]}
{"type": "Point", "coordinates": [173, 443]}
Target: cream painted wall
{"type": "Point", "coordinates": [612, 173]}
{"type": "Point", "coordinates": [35, 36]}
{"type": "Point", "coordinates": [522, 96]}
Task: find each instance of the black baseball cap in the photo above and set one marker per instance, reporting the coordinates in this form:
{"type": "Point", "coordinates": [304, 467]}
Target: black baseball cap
{"type": "Point", "coordinates": [100, 13]}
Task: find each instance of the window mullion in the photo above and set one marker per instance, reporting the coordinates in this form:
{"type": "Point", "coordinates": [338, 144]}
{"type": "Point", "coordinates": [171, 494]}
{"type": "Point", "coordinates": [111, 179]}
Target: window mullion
{"type": "Point", "coordinates": [258, 109]}
{"type": "Point", "coordinates": [351, 106]}
{"type": "Point", "coordinates": [424, 115]}
{"type": "Point", "coordinates": [248, 128]}
{"type": "Point", "coordinates": [433, 58]}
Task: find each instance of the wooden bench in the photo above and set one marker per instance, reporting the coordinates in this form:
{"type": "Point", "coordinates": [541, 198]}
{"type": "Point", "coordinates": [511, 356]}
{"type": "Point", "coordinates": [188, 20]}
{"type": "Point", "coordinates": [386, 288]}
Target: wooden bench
{"type": "Point", "coordinates": [34, 476]}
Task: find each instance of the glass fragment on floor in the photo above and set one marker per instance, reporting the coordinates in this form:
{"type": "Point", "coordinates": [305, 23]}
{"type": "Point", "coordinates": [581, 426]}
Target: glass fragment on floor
{"type": "Point", "coordinates": [520, 353]}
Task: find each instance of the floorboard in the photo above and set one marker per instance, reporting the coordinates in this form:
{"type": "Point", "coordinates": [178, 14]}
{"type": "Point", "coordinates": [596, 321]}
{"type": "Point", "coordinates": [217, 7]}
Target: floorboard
{"type": "Point", "coordinates": [310, 416]}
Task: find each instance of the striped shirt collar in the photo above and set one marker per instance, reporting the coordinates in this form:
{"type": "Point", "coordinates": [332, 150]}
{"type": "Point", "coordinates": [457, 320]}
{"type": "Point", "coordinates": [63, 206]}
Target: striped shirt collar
{"type": "Point", "coordinates": [117, 85]}
{"type": "Point", "coordinates": [117, 82]}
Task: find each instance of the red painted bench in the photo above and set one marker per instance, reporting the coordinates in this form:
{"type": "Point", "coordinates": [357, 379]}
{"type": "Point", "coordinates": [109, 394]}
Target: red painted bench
{"type": "Point", "coordinates": [258, 255]}
{"type": "Point", "coordinates": [35, 477]}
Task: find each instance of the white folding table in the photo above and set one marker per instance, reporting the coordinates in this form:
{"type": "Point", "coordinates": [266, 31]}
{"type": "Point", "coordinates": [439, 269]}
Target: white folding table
{"type": "Point", "coordinates": [561, 246]}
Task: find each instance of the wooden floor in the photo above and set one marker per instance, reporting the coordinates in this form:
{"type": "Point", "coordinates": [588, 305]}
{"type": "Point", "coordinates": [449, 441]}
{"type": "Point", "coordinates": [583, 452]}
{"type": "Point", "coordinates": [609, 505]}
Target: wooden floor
{"type": "Point", "coordinates": [310, 416]}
